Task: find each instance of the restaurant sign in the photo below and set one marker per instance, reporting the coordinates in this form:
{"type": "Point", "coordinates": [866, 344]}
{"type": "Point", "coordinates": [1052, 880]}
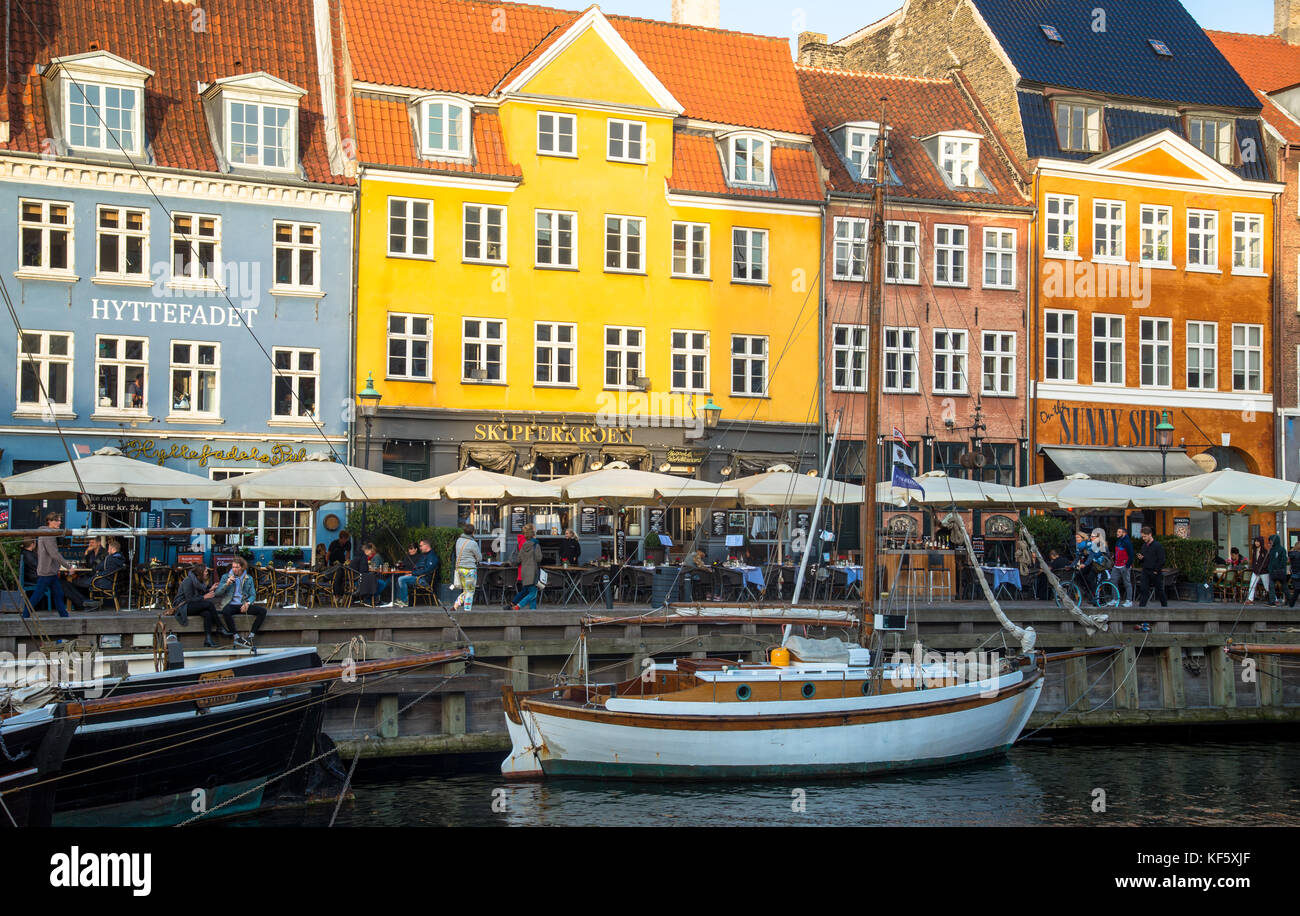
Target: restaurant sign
{"type": "Point", "coordinates": [552, 432]}
{"type": "Point", "coordinates": [1110, 426]}
{"type": "Point", "coordinates": [149, 450]}
{"type": "Point", "coordinates": [114, 505]}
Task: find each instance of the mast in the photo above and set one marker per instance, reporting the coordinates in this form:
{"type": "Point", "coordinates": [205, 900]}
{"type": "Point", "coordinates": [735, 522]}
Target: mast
{"type": "Point", "coordinates": [875, 379]}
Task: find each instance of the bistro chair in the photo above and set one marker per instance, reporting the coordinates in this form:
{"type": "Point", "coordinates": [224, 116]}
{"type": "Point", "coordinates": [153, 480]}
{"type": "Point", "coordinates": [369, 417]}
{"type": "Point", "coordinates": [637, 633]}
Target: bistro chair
{"type": "Point", "coordinates": [154, 584]}
{"type": "Point", "coordinates": [421, 588]}
{"type": "Point", "coordinates": [937, 573]}
{"type": "Point", "coordinates": [321, 587]}
{"type": "Point", "coordinates": [264, 582]}
{"type": "Point", "coordinates": [284, 588]}
{"type": "Point", "coordinates": [107, 588]}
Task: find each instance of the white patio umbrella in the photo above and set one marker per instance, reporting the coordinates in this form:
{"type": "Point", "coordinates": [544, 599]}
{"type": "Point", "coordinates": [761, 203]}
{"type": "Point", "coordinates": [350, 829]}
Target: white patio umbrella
{"type": "Point", "coordinates": [319, 479]}
{"type": "Point", "coordinates": [477, 484]}
{"type": "Point", "coordinates": [1079, 491]}
{"type": "Point", "coordinates": [1227, 490]}
{"type": "Point", "coordinates": [781, 488]}
{"type": "Point", "coordinates": [942, 490]}
{"type": "Point", "coordinates": [110, 473]}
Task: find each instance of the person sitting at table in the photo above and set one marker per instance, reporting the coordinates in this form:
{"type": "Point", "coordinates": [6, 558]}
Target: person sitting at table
{"type": "Point", "coordinates": [570, 548]}
{"type": "Point", "coordinates": [101, 576]}
{"type": "Point", "coordinates": [1235, 559]}
{"type": "Point", "coordinates": [698, 571]}
{"type": "Point", "coordinates": [408, 562]}
{"type": "Point", "coordinates": [529, 556]}
{"type": "Point", "coordinates": [94, 554]}
{"type": "Point", "coordinates": [321, 558]}
{"type": "Point", "coordinates": [424, 567]}
{"type": "Point", "coordinates": [190, 599]}
{"type": "Point", "coordinates": [341, 549]}
{"type": "Point", "coordinates": [367, 565]}
{"type": "Point", "coordinates": [239, 587]}
{"type": "Point", "coordinates": [1060, 567]}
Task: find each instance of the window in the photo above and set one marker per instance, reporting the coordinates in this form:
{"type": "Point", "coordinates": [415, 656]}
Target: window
{"type": "Point", "coordinates": [45, 362]}
{"type": "Point", "coordinates": [295, 382]}
{"type": "Point", "coordinates": [1247, 357]}
{"type": "Point", "coordinates": [1157, 235]}
{"type": "Point", "coordinates": [556, 351]}
{"type": "Point", "coordinates": [484, 348]}
{"type": "Point", "coordinates": [860, 148]}
{"type": "Point", "coordinates": [626, 141]}
{"type": "Point", "coordinates": [410, 338]}
{"type": "Point", "coordinates": [446, 130]}
{"type": "Point", "coordinates": [274, 523]}
{"type": "Point", "coordinates": [902, 252]}
{"type": "Point", "coordinates": [556, 242]}
{"type": "Point", "coordinates": [1108, 230]}
{"type": "Point", "coordinates": [1000, 258]}
{"type": "Point", "coordinates": [1078, 127]}
{"type": "Point", "coordinates": [410, 228]}
{"type": "Point", "coordinates": [1052, 34]}
{"type": "Point", "coordinates": [297, 255]}
{"type": "Point", "coordinates": [949, 255]}
{"type": "Point", "coordinates": [999, 363]}
{"type": "Point", "coordinates": [690, 249]}
{"type": "Point", "coordinates": [122, 244]}
{"type": "Point", "coordinates": [900, 360]}
{"type": "Point", "coordinates": [196, 247]}
{"type": "Point", "coordinates": [1059, 346]}
{"type": "Point", "coordinates": [195, 388]}
{"type": "Point", "coordinates": [260, 135]}
{"type": "Point", "coordinates": [624, 356]}
{"type": "Point", "coordinates": [121, 372]}
{"type": "Point", "coordinates": [1155, 350]}
{"type": "Point", "coordinates": [103, 117]}
{"type": "Point", "coordinates": [749, 255]}
{"type": "Point", "coordinates": [849, 357]}
{"type": "Point", "coordinates": [1107, 350]}
{"type": "Point", "coordinates": [624, 237]}
{"type": "Point", "coordinates": [1202, 355]}
{"type": "Point", "coordinates": [555, 134]}
{"type": "Point", "coordinates": [1247, 243]}
{"type": "Point", "coordinates": [748, 366]}
{"type": "Point", "coordinates": [1062, 223]}
{"type": "Point", "coordinates": [485, 233]}
{"type": "Point", "coordinates": [749, 159]}
{"type": "Point", "coordinates": [1202, 240]}
{"type": "Point", "coordinates": [1160, 47]}
{"type": "Point", "coordinates": [959, 159]}
{"type": "Point", "coordinates": [45, 232]}
{"type": "Point", "coordinates": [850, 249]}
{"type": "Point", "coordinates": [949, 362]}
{"type": "Point", "coordinates": [690, 360]}
{"type": "Point", "coordinates": [1212, 136]}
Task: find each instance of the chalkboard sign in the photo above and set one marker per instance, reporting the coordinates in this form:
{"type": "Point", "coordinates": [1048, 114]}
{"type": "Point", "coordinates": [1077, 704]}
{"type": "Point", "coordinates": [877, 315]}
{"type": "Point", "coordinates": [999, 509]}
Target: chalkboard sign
{"type": "Point", "coordinates": [588, 520]}
{"type": "Point", "coordinates": [114, 505]}
{"type": "Point", "coordinates": [620, 545]}
{"type": "Point", "coordinates": [154, 518]}
{"type": "Point", "coordinates": [518, 518]}
{"type": "Point", "coordinates": [977, 544]}
{"type": "Point", "coordinates": [657, 520]}
{"type": "Point", "coordinates": [719, 524]}
{"type": "Point", "coordinates": [221, 564]}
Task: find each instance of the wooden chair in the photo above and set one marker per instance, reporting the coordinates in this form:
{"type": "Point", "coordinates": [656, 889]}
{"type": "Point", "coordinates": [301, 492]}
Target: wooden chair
{"type": "Point", "coordinates": [264, 582]}
{"type": "Point", "coordinates": [421, 588]}
{"type": "Point", "coordinates": [321, 587]}
{"type": "Point", "coordinates": [104, 593]}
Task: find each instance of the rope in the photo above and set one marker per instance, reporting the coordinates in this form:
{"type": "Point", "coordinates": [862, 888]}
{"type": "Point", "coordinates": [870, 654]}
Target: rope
{"type": "Point", "coordinates": [1088, 689]}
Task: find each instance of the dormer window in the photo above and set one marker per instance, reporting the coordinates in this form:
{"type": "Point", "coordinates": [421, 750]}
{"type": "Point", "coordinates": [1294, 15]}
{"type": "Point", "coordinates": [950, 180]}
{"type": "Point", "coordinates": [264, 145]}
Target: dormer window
{"type": "Point", "coordinates": [255, 116]}
{"type": "Point", "coordinates": [446, 128]}
{"type": "Point", "coordinates": [860, 150]}
{"type": "Point", "coordinates": [1212, 136]}
{"type": "Point", "coordinates": [959, 158]}
{"type": "Point", "coordinates": [749, 160]}
{"type": "Point", "coordinates": [101, 96]}
{"type": "Point", "coordinates": [1078, 126]}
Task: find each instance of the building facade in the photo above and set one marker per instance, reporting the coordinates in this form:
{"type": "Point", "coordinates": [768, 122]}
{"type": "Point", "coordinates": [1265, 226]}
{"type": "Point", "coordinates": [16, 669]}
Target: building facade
{"type": "Point", "coordinates": [571, 245]}
{"type": "Point", "coordinates": [181, 275]}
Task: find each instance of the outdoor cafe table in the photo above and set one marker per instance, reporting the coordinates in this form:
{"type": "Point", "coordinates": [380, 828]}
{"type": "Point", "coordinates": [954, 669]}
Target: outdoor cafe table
{"type": "Point", "coordinates": [1002, 576]}
{"type": "Point", "coordinates": [571, 579]}
{"type": "Point", "coordinates": [298, 573]}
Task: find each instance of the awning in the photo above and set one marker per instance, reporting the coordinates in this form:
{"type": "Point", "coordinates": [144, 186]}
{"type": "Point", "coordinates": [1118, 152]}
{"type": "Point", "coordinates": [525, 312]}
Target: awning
{"type": "Point", "coordinates": [561, 452]}
{"type": "Point", "coordinates": [499, 458]}
{"type": "Point", "coordinates": [636, 456]}
{"type": "Point", "coordinates": [1137, 467]}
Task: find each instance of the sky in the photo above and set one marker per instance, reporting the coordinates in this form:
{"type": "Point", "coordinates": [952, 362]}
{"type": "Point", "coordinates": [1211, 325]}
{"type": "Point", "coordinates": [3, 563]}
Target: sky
{"type": "Point", "coordinates": [837, 19]}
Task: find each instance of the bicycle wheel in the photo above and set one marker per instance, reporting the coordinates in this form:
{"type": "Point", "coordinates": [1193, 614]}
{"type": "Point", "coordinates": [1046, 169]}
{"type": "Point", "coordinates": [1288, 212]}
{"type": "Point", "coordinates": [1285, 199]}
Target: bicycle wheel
{"type": "Point", "coordinates": [1070, 589]}
{"type": "Point", "coordinates": [1107, 594]}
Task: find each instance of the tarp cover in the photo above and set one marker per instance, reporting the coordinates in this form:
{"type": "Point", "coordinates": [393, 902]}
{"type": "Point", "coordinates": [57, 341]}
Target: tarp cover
{"type": "Point", "coordinates": [818, 650]}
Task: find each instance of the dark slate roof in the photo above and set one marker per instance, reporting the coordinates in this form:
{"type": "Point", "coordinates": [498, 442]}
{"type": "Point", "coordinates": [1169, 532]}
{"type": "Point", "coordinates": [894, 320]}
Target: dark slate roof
{"type": "Point", "coordinates": [1118, 61]}
{"type": "Point", "coordinates": [1040, 132]}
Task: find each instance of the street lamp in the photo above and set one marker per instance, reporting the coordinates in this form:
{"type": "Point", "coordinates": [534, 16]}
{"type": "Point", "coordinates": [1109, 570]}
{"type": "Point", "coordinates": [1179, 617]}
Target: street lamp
{"type": "Point", "coordinates": [1164, 440]}
{"type": "Point", "coordinates": [369, 399]}
{"type": "Point", "coordinates": [711, 413]}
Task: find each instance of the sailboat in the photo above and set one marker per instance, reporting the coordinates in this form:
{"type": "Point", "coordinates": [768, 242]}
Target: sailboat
{"type": "Point", "coordinates": [814, 707]}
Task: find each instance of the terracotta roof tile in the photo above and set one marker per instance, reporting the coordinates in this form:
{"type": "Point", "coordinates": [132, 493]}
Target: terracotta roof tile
{"type": "Point", "coordinates": [915, 108]}
{"type": "Point", "coordinates": [384, 138]}
{"type": "Point", "coordinates": [1267, 64]}
{"type": "Point", "coordinates": [161, 36]}
{"type": "Point", "coordinates": [697, 169]}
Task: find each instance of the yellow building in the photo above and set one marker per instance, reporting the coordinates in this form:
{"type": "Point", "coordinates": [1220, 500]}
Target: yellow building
{"type": "Point", "coordinates": [575, 231]}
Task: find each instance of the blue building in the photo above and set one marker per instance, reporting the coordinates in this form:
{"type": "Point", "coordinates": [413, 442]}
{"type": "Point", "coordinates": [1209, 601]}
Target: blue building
{"type": "Point", "coordinates": [181, 263]}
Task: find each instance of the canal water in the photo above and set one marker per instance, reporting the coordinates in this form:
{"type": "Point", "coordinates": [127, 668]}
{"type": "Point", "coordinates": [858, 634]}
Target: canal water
{"type": "Point", "coordinates": [1219, 783]}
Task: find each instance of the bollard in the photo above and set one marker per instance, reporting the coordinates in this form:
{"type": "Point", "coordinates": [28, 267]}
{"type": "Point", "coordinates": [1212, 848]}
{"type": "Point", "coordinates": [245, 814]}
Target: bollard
{"type": "Point", "coordinates": [608, 590]}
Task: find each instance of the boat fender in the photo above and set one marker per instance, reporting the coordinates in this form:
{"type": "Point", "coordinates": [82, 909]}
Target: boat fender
{"type": "Point", "coordinates": [780, 657]}
{"type": "Point", "coordinates": [175, 653]}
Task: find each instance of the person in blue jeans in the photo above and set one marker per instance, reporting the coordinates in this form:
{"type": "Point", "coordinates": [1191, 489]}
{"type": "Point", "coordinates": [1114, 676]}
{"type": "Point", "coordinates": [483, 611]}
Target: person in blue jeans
{"type": "Point", "coordinates": [424, 568]}
{"type": "Point", "coordinates": [49, 563]}
{"type": "Point", "coordinates": [530, 562]}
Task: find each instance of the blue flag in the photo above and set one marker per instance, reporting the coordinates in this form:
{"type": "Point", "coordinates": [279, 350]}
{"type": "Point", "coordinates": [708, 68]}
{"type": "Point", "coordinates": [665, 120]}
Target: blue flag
{"type": "Point", "coordinates": [903, 481]}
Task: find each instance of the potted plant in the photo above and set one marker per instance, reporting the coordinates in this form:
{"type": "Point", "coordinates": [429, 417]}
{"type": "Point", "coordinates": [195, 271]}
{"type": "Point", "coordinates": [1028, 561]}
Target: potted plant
{"type": "Point", "coordinates": [653, 548]}
{"type": "Point", "coordinates": [1194, 560]}
{"type": "Point", "coordinates": [286, 555]}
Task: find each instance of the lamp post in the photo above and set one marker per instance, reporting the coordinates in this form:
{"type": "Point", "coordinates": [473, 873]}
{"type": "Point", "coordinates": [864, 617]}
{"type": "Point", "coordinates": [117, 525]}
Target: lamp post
{"type": "Point", "coordinates": [711, 413]}
{"type": "Point", "coordinates": [369, 399]}
{"type": "Point", "coordinates": [1164, 440]}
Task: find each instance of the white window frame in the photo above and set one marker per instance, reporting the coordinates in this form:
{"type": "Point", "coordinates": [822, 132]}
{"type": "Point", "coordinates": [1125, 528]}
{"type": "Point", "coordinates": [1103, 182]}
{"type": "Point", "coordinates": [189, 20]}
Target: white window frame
{"type": "Point", "coordinates": [1089, 132]}
{"type": "Point", "coordinates": [625, 141]}
{"type": "Point", "coordinates": [692, 249]}
{"type": "Point", "coordinates": [1247, 350]}
{"type": "Point", "coordinates": [1002, 368]}
{"type": "Point", "coordinates": [959, 159]}
{"type": "Point", "coordinates": [463, 120]}
{"type": "Point", "coordinates": [1067, 345]}
{"type": "Point", "coordinates": [906, 357]}
{"type": "Point", "coordinates": [44, 359]}
{"type": "Point", "coordinates": [193, 245]}
{"type": "Point", "coordinates": [849, 344]}
{"type": "Point", "coordinates": [1246, 235]}
{"type": "Point", "coordinates": [1202, 350]}
{"type": "Point", "coordinates": [1004, 255]}
{"type": "Point", "coordinates": [752, 176]}
{"type": "Point", "coordinates": [951, 258]}
{"type": "Point", "coordinates": [1156, 220]}
{"type": "Point", "coordinates": [297, 249]}
{"type": "Point", "coordinates": [627, 260]}
{"type": "Point", "coordinates": [1109, 219]}
{"type": "Point", "coordinates": [1061, 225]}
{"type": "Point", "coordinates": [902, 250]}
{"type": "Point", "coordinates": [951, 357]}
{"type": "Point", "coordinates": [294, 377]}
{"type": "Point", "coordinates": [410, 337]}
{"type": "Point", "coordinates": [291, 137]}
{"type": "Point", "coordinates": [849, 251]}
{"type": "Point", "coordinates": [1115, 371]}
{"type": "Point", "coordinates": [746, 244]}
{"type": "Point", "coordinates": [193, 367]}
{"type": "Point", "coordinates": [484, 241]}
{"type": "Point", "coordinates": [1224, 132]}
{"type": "Point", "coordinates": [123, 235]}
{"type": "Point", "coordinates": [74, 95]}
{"type": "Point", "coordinates": [1150, 348]}
{"type": "Point", "coordinates": [862, 154]}
{"type": "Point", "coordinates": [555, 249]}
{"type": "Point", "coordinates": [47, 227]}
{"type": "Point", "coordinates": [482, 340]}
{"type": "Point", "coordinates": [1203, 255]}
{"type": "Point", "coordinates": [553, 346]}
{"type": "Point", "coordinates": [410, 222]}
{"type": "Point", "coordinates": [687, 350]}
{"type": "Point", "coordinates": [748, 357]}
{"type": "Point", "coordinates": [122, 363]}
{"type": "Point", "coordinates": [261, 507]}
{"type": "Point", "coordinates": [624, 355]}
{"type": "Point", "coordinates": [549, 142]}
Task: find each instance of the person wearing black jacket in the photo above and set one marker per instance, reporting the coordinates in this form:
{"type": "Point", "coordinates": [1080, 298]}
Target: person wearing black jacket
{"type": "Point", "coordinates": [1295, 574]}
{"type": "Point", "coordinates": [1152, 556]}
{"type": "Point", "coordinates": [190, 600]}
{"type": "Point", "coordinates": [570, 548]}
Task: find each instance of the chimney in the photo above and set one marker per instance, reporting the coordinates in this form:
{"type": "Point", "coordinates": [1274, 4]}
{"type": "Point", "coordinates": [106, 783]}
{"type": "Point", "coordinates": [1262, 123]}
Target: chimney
{"type": "Point", "coordinates": [1286, 20]}
{"type": "Point", "coordinates": [696, 12]}
{"type": "Point", "coordinates": [815, 51]}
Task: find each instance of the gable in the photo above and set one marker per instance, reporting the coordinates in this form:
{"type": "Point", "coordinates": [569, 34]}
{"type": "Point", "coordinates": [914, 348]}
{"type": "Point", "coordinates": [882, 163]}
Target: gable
{"type": "Point", "coordinates": [1159, 162]}
{"type": "Point", "coordinates": [588, 68]}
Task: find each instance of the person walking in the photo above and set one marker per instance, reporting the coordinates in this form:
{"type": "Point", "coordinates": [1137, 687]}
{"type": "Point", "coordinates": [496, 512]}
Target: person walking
{"type": "Point", "coordinates": [242, 592]}
{"type": "Point", "coordinates": [1276, 569]}
{"type": "Point", "coordinates": [1258, 568]}
{"type": "Point", "coordinates": [467, 557]}
{"type": "Point", "coordinates": [49, 562]}
{"type": "Point", "coordinates": [529, 556]}
{"type": "Point", "coordinates": [1122, 574]}
{"type": "Point", "coordinates": [1152, 556]}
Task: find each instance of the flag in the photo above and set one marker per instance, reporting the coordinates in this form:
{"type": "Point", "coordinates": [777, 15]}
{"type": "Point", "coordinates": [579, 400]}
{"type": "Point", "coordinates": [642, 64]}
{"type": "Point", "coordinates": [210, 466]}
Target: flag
{"type": "Point", "coordinates": [900, 457]}
{"type": "Point", "coordinates": [83, 451]}
{"type": "Point", "coordinates": [903, 481]}
{"type": "Point", "coordinates": [898, 434]}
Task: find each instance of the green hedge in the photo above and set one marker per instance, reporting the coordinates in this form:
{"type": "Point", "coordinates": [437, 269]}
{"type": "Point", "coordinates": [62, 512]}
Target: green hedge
{"type": "Point", "coordinates": [1050, 531]}
{"type": "Point", "coordinates": [11, 563]}
{"type": "Point", "coordinates": [1193, 558]}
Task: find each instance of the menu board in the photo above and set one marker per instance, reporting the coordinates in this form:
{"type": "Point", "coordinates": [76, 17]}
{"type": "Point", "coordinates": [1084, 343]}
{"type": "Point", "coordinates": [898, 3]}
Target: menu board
{"type": "Point", "coordinates": [221, 564]}
{"type": "Point", "coordinates": [588, 520]}
{"type": "Point", "coordinates": [719, 524]}
{"type": "Point", "coordinates": [620, 545]}
{"type": "Point", "coordinates": [977, 544]}
{"type": "Point", "coordinates": [656, 520]}
{"type": "Point", "coordinates": [518, 518]}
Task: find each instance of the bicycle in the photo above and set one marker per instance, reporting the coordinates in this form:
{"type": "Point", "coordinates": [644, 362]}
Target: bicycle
{"type": "Point", "coordinates": [1106, 594]}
